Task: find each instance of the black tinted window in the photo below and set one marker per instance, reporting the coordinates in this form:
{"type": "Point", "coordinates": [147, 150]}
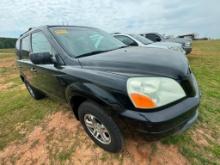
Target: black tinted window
{"type": "Point", "coordinates": [153, 37]}
{"type": "Point", "coordinates": [40, 43]}
{"type": "Point", "coordinates": [126, 40]}
{"type": "Point", "coordinates": [141, 39]}
{"type": "Point", "coordinates": [25, 47]}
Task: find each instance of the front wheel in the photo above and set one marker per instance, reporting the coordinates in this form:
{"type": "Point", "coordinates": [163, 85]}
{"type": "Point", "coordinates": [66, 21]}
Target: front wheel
{"type": "Point", "coordinates": [100, 127]}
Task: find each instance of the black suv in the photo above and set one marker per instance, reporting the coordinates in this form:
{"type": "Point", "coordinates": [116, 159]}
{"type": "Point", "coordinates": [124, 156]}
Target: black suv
{"type": "Point", "coordinates": [109, 86]}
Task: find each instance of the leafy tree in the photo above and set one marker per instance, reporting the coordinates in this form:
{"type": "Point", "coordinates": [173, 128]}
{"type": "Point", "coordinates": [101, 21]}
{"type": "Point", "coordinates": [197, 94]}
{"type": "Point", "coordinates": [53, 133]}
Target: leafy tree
{"type": "Point", "coordinates": [7, 42]}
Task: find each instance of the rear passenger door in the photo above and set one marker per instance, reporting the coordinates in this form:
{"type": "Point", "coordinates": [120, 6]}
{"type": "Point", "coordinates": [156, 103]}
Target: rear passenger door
{"type": "Point", "coordinates": [23, 61]}
{"type": "Point", "coordinates": [48, 77]}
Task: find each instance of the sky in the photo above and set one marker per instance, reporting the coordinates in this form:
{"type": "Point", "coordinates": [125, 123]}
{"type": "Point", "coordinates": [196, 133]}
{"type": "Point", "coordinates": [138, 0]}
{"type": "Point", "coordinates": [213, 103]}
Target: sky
{"type": "Point", "coordinates": [171, 17]}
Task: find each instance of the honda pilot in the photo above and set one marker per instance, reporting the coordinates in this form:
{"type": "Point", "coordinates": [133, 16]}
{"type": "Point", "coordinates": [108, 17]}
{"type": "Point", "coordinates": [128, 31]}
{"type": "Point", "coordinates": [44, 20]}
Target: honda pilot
{"type": "Point", "coordinates": [110, 87]}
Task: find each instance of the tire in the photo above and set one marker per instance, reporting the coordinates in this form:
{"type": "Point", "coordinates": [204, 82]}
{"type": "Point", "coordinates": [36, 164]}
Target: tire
{"type": "Point", "coordinates": [36, 94]}
{"type": "Point", "coordinates": [111, 139]}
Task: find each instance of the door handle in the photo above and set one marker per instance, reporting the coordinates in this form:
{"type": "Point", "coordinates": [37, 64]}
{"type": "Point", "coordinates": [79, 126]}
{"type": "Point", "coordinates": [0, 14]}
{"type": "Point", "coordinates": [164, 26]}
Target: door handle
{"type": "Point", "coordinates": [33, 69]}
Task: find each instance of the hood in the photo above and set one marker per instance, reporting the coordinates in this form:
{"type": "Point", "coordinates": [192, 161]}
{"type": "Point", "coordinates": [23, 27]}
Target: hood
{"type": "Point", "coordinates": [177, 40]}
{"type": "Point", "coordinates": [168, 44]}
{"type": "Point", "coordinates": [155, 45]}
{"type": "Point", "coordinates": [139, 61]}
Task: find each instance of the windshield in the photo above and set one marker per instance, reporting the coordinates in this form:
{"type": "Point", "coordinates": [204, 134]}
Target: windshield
{"type": "Point", "coordinates": [143, 40]}
{"type": "Point", "coordinates": [78, 41]}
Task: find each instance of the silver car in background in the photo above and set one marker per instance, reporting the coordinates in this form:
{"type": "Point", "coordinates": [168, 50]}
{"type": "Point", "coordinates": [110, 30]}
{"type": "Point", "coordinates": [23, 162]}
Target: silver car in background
{"type": "Point", "coordinates": [138, 40]}
{"type": "Point", "coordinates": [156, 37]}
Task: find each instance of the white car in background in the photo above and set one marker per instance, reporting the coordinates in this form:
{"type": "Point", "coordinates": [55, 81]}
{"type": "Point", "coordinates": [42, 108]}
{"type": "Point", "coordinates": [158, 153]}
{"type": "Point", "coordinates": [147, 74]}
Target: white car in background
{"type": "Point", "coordinates": [138, 40]}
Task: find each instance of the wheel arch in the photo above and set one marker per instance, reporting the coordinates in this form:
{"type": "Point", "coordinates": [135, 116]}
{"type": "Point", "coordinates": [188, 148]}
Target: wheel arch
{"type": "Point", "coordinates": [77, 93]}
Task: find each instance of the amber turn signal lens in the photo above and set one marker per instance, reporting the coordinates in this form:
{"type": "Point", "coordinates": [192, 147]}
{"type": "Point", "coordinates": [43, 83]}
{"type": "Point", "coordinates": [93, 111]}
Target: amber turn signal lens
{"type": "Point", "coordinates": [142, 101]}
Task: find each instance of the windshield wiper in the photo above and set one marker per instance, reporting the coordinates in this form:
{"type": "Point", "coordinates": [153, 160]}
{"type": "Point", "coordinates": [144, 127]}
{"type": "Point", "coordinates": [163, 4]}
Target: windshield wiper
{"type": "Point", "coordinates": [125, 46]}
{"type": "Point", "coordinates": [99, 51]}
{"type": "Point", "coordinates": [92, 53]}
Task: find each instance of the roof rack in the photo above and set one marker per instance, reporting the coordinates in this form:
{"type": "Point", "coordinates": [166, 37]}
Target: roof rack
{"type": "Point", "coordinates": [116, 33]}
{"type": "Point", "coordinates": [26, 31]}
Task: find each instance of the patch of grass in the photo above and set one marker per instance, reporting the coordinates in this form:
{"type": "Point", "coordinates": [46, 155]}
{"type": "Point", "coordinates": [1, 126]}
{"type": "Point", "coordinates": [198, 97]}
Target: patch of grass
{"type": "Point", "coordinates": [154, 149]}
{"type": "Point", "coordinates": [205, 64]}
{"type": "Point", "coordinates": [16, 105]}
{"type": "Point", "coordinates": [176, 139]}
{"type": "Point", "coordinates": [5, 51]}
{"type": "Point", "coordinates": [9, 53]}
{"type": "Point", "coordinates": [3, 70]}
{"type": "Point", "coordinates": [216, 150]}
{"type": "Point", "coordinates": [104, 157]}
{"type": "Point", "coordinates": [195, 157]}
{"type": "Point", "coordinates": [21, 108]}
{"type": "Point", "coordinates": [65, 155]}
{"type": "Point", "coordinates": [34, 143]}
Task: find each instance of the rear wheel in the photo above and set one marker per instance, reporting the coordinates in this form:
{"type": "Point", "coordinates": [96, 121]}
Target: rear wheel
{"type": "Point", "coordinates": [100, 127]}
{"type": "Point", "coordinates": [36, 94]}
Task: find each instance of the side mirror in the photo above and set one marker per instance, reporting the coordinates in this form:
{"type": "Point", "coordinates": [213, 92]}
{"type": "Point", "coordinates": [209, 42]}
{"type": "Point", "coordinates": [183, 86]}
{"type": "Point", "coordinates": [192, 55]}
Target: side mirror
{"type": "Point", "coordinates": [42, 58]}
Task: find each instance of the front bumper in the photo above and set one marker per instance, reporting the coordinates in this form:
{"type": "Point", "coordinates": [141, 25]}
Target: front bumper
{"type": "Point", "coordinates": [173, 119]}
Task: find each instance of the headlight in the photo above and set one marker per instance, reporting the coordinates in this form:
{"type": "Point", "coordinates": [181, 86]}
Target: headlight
{"type": "Point", "coordinates": [153, 92]}
{"type": "Point", "coordinates": [178, 49]}
{"type": "Point", "coordinates": [188, 44]}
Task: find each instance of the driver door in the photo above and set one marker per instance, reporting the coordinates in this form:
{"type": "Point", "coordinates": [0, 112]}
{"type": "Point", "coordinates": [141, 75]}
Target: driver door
{"type": "Point", "coordinates": [48, 78]}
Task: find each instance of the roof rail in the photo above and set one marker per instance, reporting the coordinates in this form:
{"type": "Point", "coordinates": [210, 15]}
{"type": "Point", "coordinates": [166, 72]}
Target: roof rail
{"type": "Point", "coordinates": [26, 31]}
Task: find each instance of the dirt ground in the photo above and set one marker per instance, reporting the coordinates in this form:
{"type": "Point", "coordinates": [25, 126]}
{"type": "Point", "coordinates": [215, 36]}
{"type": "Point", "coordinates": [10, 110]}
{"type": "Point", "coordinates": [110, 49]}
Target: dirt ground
{"type": "Point", "coordinates": [60, 138]}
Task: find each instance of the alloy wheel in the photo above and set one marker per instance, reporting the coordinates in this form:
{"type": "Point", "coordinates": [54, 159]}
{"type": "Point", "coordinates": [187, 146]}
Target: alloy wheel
{"type": "Point", "coordinates": [97, 129]}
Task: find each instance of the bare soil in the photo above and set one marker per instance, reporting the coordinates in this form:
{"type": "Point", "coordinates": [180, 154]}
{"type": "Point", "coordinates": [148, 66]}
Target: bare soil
{"type": "Point", "coordinates": [61, 138]}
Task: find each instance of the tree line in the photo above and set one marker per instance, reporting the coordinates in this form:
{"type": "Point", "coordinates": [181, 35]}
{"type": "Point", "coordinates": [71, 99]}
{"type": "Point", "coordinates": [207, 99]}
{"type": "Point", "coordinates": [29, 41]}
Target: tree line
{"type": "Point", "coordinates": [7, 42]}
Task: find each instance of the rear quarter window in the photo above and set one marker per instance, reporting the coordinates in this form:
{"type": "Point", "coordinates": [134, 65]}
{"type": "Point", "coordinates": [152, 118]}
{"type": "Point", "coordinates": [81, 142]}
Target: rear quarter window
{"type": "Point", "coordinates": [25, 47]}
{"type": "Point", "coordinates": [17, 47]}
